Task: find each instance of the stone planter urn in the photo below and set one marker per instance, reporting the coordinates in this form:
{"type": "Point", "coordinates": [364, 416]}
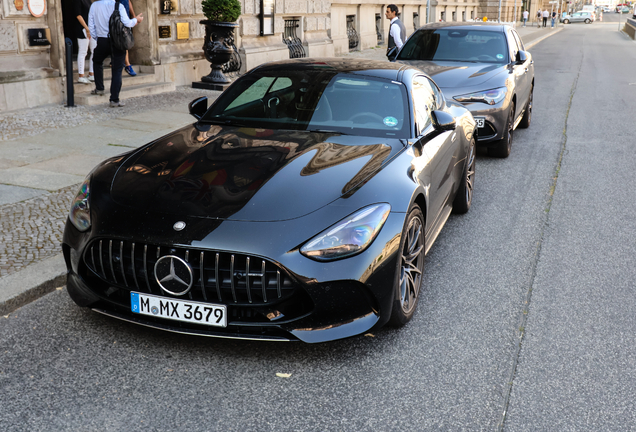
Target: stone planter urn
{"type": "Point", "coordinates": [217, 48]}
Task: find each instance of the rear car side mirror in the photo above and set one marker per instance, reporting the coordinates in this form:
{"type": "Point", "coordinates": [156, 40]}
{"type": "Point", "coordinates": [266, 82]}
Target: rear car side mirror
{"type": "Point", "coordinates": [198, 107]}
{"type": "Point", "coordinates": [442, 121]}
{"type": "Point", "coordinates": [522, 56]}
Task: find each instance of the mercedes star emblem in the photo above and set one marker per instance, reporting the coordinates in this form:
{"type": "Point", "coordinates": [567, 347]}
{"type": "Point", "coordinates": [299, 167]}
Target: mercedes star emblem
{"type": "Point", "coordinates": [178, 226]}
{"type": "Point", "coordinates": [173, 275]}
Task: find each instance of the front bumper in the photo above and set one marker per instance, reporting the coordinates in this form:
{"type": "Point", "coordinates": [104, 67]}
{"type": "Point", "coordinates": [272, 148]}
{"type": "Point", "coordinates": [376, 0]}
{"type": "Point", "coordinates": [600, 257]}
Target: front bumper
{"type": "Point", "coordinates": [319, 301]}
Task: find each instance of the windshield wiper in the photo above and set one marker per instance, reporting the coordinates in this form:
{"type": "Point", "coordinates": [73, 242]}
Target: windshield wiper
{"type": "Point", "coordinates": [326, 131]}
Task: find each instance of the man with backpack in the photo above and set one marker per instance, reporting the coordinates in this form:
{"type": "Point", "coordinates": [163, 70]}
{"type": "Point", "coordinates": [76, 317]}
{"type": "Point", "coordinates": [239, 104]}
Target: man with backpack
{"type": "Point", "coordinates": [98, 25]}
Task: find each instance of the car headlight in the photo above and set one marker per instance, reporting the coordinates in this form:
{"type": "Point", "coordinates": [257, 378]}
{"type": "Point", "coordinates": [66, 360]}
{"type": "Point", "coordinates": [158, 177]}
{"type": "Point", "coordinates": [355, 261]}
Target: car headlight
{"type": "Point", "coordinates": [350, 236]}
{"type": "Point", "coordinates": [490, 97]}
{"type": "Point", "coordinates": [80, 214]}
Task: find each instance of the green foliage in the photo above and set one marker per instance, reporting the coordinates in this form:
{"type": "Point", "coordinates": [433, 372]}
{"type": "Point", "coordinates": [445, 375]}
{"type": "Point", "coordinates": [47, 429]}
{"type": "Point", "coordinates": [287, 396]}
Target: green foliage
{"type": "Point", "coordinates": [221, 10]}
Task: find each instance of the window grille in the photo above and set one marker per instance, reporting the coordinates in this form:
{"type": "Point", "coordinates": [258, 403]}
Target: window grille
{"type": "Point", "coordinates": [352, 34]}
{"type": "Point", "coordinates": [293, 42]}
{"type": "Point", "coordinates": [416, 20]}
{"type": "Point", "coordinates": [378, 29]}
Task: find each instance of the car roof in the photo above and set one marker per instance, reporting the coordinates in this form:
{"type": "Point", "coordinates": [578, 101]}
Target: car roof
{"type": "Point", "coordinates": [375, 68]}
{"type": "Point", "coordinates": [466, 26]}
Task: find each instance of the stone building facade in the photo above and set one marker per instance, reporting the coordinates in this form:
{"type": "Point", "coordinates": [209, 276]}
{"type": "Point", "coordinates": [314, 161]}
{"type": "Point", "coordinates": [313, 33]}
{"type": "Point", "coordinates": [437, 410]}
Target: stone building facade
{"type": "Point", "coordinates": [169, 40]}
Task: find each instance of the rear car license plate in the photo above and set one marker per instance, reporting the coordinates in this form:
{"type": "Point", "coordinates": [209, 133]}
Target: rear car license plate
{"type": "Point", "coordinates": [481, 121]}
{"type": "Point", "coordinates": [179, 310]}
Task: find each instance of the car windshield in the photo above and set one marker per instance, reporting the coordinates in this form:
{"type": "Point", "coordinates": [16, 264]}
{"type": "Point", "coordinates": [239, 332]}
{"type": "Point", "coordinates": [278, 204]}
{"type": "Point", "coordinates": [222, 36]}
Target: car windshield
{"type": "Point", "coordinates": [448, 44]}
{"type": "Point", "coordinates": [321, 100]}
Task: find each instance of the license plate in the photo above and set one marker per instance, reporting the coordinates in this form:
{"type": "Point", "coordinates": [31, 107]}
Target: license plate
{"type": "Point", "coordinates": [481, 121]}
{"type": "Point", "coordinates": [179, 310]}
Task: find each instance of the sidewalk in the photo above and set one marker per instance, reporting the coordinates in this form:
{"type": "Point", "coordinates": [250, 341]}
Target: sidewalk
{"type": "Point", "coordinates": [46, 152]}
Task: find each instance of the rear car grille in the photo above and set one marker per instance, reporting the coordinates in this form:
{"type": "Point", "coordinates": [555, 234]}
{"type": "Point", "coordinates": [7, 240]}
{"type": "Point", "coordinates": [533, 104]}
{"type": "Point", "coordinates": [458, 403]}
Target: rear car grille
{"type": "Point", "coordinates": [222, 277]}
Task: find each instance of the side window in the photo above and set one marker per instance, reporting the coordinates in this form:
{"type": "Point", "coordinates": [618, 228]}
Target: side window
{"type": "Point", "coordinates": [512, 44]}
{"type": "Point", "coordinates": [519, 41]}
{"type": "Point", "coordinates": [423, 101]}
{"type": "Point", "coordinates": [437, 94]}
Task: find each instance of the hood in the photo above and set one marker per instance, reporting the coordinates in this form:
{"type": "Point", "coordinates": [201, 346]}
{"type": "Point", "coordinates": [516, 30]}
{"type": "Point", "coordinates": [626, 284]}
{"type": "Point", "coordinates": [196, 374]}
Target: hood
{"type": "Point", "coordinates": [459, 74]}
{"type": "Point", "coordinates": [247, 174]}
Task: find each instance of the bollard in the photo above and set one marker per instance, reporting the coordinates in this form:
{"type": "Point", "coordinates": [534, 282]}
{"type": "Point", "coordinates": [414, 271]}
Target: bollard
{"type": "Point", "coordinates": [70, 96]}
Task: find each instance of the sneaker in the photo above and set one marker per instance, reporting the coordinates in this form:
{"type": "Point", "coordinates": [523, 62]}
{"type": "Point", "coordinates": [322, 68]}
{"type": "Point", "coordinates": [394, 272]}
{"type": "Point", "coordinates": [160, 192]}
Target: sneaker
{"type": "Point", "coordinates": [91, 78]}
{"type": "Point", "coordinates": [130, 70]}
{"type": "Point", "coordinates": [83, 80]}
{"type": "Point", "coordinates": [97, 92]}
{"type": "Point", "coordinates": [117, 104]}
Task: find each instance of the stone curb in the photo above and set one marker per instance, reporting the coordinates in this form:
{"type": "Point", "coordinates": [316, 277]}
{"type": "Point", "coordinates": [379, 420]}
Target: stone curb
{"type": "Point", "coordinates": [536, 41]}
{"type": "Point", "coordinates": [36, 280]}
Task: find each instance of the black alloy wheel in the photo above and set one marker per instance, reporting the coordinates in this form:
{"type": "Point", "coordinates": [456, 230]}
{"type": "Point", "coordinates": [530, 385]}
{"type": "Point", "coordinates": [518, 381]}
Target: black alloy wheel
{"type": "Point", "coordinates": [503, 147]}
{"type": "Point", "coordinates": [527, 115]}
{"type": "Point", "coordinates": [464, 196]}
{"type": "Point", "coordinates": [410, 269]}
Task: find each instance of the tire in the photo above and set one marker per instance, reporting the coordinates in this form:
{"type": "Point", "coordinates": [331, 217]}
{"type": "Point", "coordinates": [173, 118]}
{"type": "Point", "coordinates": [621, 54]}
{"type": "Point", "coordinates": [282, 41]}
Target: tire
{"type": "Point", "coordinates": [464, 196]}
{"type": "Point", "coordinates": [503, 147]}
{"type": "Point", "coordinates": [408, 278]}
{"type": "Point", "coordinates": [587, 21]}
{"type": "Point", "coordinates": [527, 115]}
{"type": "Point", "coordinates": [566, 21]}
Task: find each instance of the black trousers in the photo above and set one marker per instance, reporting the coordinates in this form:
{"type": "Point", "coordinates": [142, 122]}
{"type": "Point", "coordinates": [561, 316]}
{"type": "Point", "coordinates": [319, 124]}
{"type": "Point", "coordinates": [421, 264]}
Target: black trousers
{"type": "Point", "coordinates": [118, 57]}
{"type": "Point", "coordinates": [545, 21]}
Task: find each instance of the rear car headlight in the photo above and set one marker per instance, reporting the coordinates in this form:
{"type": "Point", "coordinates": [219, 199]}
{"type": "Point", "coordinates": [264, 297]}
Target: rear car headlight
{"type": "Point", "coordinates": [490, 97]}
{"type": "Point", "coordinates": [80, 214]}
{"type": "Point", "coordinates": [350, 236]}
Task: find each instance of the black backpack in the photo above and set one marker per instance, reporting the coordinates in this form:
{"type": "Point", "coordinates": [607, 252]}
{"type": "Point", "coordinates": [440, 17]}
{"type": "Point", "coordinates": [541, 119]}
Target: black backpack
{"type": "Point", "coordinates": [121, 37]}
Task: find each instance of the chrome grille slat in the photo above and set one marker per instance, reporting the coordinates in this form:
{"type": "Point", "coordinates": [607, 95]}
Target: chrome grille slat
{"type": "Point", "coordinates": [202, 275]}
{"type": "Point", "coordinates": [216, 277]}
{"type": "Point", "coordinates": [263, 281]}
{"type": "Point", "coordinates": [223, 277]}
{"type": "Point", "coordinates": [232, 278]}
{"type": "Point", "coordinates": [110, 260]}
{"type": "Point", "coordinates": [101, 260]}
{"type": "Point", "coordinates": [121, 261]}
{"type": "Point", "coordinates": [134, 267]}
{"type": "Point", "coordinates": [146, 267]}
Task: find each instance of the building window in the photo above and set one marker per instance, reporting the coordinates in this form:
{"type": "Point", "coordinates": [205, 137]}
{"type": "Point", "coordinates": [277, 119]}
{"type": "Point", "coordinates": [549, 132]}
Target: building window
{"type": "Point", "coordinates": [416, 20]}
{"type": "Point", "coordinates": [454, 16]}
{"type": "Point", "coordinates": [442, 16]}
{"type": "Point", "coordinates": [352, 34]}
{"type": "Point", "coordinates": [472, 15]}
{"type": "Point", "coordinates": [464, 16]}
{"type": "Point", "coordinates": [291, 39]}
{"type": "Point", "coordinates": [378, 28]}
{"type": "Point", "coordinates": [267, 17]}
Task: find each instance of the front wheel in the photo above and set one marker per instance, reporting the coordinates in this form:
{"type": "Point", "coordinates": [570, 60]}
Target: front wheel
{"type": "Point", "coordinates": [588, 21]}
{"type": "Point", "coordinates": [503, 147]}
{"type": "Point", "coordinates": [566, 21]}
{"type": "Point", "coordinates": [464, 196]}
{"type": "Point", "coordinates": [406, 288]}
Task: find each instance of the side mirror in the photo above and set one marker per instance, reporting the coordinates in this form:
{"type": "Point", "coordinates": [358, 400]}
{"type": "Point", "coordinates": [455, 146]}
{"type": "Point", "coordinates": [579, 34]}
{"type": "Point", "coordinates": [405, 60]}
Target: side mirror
{"type": "Point", "coordinates": [198, 107]}
{"type": "Point", "coordinates": [442, 121]}
{"type": "Point", "coordinates": [522, 56]}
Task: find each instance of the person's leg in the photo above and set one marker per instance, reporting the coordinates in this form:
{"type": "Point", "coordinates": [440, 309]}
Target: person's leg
{"type": "Point", "coordinates": [118, 57]}
{"type": "Point", "coordinates": [82, 50]}
{"type": "Point", "coordinates": [128, 68]}
{"type": "Point", "coordinates": [102, 50]}
{"type": "Point", "coordinates": [91, 74]}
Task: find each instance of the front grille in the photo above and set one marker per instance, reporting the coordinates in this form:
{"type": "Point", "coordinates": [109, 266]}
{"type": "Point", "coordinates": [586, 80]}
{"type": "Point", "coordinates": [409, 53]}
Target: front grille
{"type": "Point", "coordinates": [221, 277]}
{"type": "Point", "coordinates": [487, 132]}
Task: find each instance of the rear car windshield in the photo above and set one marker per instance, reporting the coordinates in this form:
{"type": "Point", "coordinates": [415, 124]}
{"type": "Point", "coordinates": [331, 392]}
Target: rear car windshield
{"type": "Point", "coordinates": [315, 100]}
{"type": "Point", "coordinates": [456, 45]}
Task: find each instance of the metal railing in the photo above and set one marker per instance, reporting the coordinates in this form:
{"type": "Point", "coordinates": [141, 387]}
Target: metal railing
{"type": "Point", "coordinates": [352, 34]}
{"type": "Point", "coordinates": [291, 39]}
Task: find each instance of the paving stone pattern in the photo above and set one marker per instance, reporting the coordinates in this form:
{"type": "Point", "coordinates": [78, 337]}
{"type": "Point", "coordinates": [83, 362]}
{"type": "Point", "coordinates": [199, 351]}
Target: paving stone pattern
{"type": "Point", "coordinates": [32, 230]}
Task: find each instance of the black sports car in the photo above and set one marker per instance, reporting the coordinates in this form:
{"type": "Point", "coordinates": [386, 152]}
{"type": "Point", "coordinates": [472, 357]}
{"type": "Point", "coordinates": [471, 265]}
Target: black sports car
{"type": "Point", "coordinates": [299, 206]}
